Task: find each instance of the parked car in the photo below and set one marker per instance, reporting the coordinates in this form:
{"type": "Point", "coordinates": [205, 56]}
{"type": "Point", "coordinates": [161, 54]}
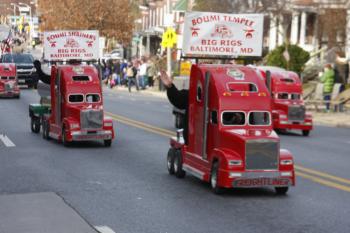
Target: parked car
{"type": "Point", "coordinates": [26, 72]}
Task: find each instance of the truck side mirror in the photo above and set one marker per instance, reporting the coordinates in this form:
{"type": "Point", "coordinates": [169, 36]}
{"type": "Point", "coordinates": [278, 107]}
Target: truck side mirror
{"type": "Point", "coordinates": [268, 81]}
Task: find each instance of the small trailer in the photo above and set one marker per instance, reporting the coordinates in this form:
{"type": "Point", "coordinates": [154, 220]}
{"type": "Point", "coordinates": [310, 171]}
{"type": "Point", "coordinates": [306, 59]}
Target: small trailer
{"type": "Point", "coordinates": [8, 81]}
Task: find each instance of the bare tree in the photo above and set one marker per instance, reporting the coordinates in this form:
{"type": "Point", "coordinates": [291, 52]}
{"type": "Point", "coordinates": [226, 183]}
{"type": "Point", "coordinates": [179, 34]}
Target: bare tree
{"type": "Point", "coordinates": [113, 19]}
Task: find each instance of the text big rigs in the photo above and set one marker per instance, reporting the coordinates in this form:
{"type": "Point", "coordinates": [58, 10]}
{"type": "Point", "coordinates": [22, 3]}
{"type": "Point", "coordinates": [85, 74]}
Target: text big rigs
{"type": "Point", "coordinates": [288, 109]}
{"type": "Point", "coordinates": [231, 141]}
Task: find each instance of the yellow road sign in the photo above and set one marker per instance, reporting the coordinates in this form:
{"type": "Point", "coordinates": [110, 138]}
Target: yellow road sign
{"type": "Point", "coordinates": [169, 38]}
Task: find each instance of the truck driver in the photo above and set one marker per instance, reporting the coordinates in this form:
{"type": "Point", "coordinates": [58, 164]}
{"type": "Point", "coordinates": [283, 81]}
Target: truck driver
{"type": "Point", "coordinates": [177, 98]}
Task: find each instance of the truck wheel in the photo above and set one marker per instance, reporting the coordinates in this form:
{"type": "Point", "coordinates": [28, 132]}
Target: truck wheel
{"type": "Point", "coordinates": [107, 143]}
{"type": "Point", "coordinates": [35, 124]}
{"type": "Point", "coordinates": [214, 178]}
{"type": "Point", "coordinates": [170, 161]}
{"type": "Point", "coordinates": [281, 190]}
{"type": "Point", "coordinates": [18, 96]}
{"type": "Point", "coordinates": [306, 133]}
{"type": "Point", "coordinates": [46, 129]}
{"type": "Point", "coordinates": [179, 172]}
{"type": "Point", "coordinates": [64, 139]}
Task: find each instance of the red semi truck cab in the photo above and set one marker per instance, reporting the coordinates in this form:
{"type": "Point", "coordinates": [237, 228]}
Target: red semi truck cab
{"type": "Point", "coordinates": [231, 141]}
{"type": "Point", "coordinates": [288, 109]}
{"type": "Point", "coordinates": [76, 110]}
{"type": "Point", "coordinates": [8, 81]}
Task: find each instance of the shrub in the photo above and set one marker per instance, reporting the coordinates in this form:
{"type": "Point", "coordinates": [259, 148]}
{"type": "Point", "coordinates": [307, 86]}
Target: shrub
{"type": "Point", "coordinates": [298, 58]}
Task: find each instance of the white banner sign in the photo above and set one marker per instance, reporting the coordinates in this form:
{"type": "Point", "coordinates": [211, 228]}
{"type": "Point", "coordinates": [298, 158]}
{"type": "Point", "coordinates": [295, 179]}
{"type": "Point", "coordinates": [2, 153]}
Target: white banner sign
{"type": "Point", "coordinates": [71, 45]}
{"type": "Point", "coordinates": [216, 34]}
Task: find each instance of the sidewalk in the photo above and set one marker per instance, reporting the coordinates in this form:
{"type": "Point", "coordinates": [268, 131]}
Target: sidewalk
{"type": "Point", "coordinates": [341, 120]}
{"type": "Point", "coordinates": [150, 91]}
{"type": "Point", "coordinates": [331, 119]}
{"type": "Point", "coordinates": [39, 213]}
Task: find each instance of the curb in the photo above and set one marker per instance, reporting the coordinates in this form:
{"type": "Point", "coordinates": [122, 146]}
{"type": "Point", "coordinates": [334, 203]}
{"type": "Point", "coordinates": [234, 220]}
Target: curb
{"type": "Point", "coordinates": [142, 92]}
{"type": "Point", "coordinates": [337, 125]}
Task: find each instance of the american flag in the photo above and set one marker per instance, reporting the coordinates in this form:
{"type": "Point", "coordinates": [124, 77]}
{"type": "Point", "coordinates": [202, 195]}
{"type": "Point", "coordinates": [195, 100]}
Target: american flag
{"type": "Point", "coordinates": [6, 43]}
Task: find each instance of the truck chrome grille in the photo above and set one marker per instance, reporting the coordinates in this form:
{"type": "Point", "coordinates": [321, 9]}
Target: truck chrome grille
{"type": "Point", "coordinates": [9, 86]}
{"type": "Point", "coordinates": [261, 154]}
{"type": "Point", "coordinates": [91, 119]}
{"type": "Point", "coordinates": [296, 113]}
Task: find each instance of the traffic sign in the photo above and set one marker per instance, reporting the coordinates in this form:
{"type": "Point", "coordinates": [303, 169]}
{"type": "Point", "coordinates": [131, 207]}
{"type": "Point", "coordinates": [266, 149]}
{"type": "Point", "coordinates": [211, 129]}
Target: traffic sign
{"type": "Point", "coordinates": [169, 38]}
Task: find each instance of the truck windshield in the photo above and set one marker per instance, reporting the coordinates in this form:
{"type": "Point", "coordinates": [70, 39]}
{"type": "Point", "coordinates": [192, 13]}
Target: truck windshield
{"type": "Point", "coordinates": [259, 118]}
{"type": "Point", "coordinates": [93, 98]}
{"type": "Point", "coordinates": [233, 118]}
{"type": "Point", "coordinates": [18, 58]}
{"type": "Point", "coordinates": [295, 96]}
{"type": "Point", "coordinates": [76, 98]}
{"type": "Point", "coordinates": [282, 96]}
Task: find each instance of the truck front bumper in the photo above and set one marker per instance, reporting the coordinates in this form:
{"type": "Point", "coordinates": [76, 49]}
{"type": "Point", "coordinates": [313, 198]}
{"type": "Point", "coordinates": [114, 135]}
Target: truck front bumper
{"type": "Point", "coordinates": [255, 179]}
{"type": "Point", "coordinates": [12, 93]}
{"type": "Point", "coordinates": [94, 135]}
{"type": "Point", "coordinates": [302, 125]}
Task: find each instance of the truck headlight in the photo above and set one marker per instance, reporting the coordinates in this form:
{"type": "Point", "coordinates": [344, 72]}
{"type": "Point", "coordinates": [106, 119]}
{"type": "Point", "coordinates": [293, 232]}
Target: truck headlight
{"type": "Point", "coordinates": [33, 69]}
{"type": "Point", "coordinates": [283, 116]}
{"type": "Point", "coordinates": [234, 174]}
{"type": "Point", "coordinates": [74, 125]}
{"type": "Point", "coordinates": [235, 162]}
{"type": "Point", "coordinates": [108, 124]}
{"type": "Point", "coordinates": [286, 162]}
{"type": "Point", "coordinates": [286, 173]}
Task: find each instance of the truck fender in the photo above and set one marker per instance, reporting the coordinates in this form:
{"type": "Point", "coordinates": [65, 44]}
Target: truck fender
{"type": "Point", "coordinates": [223, 156]}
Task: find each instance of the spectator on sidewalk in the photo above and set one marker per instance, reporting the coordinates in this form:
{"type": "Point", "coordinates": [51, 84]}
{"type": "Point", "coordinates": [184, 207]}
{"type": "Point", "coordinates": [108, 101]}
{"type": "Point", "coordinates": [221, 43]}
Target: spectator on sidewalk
{"type": "Point", "coordinates": [131, 73]}
{"type": "Point", "coordinates": [116, 72]}
{"type": "Point", "coordinates": [123, 67]}
{"type": "Point", "coordinates": [327, 79]}
{"type": "Point", "coordinates": [151, 72]}
{"type": "Point", "coordinates": [143, 74]}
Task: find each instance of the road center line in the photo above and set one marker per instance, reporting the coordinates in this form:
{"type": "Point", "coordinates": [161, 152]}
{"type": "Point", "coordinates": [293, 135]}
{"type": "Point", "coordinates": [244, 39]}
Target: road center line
{"type": "Point", "coordinates": [323, 181]}
{"type": "Point", "coordinates": [322, 174]}
{"type": "Point", "coordinates": [307, 173]}
{"type": "Point", "coordinates": [6, 141]}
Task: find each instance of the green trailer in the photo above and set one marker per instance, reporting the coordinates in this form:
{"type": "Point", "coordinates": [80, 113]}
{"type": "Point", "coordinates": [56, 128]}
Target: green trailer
{"type": "Point", "coordinates": [36, 113]}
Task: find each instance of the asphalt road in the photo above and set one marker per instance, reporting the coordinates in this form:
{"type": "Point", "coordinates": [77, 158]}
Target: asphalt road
{"type": "Point", "coordinates": [127, 187]}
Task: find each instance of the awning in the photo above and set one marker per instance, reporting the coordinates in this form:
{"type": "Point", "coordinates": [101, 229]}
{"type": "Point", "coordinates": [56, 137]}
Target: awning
{"type": "Point", "coordinates": [181, 5]}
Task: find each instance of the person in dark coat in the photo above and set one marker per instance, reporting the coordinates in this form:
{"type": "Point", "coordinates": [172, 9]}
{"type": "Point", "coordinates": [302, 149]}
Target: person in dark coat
{"type": "Point", "coordinates": [45, 78]}
{"type": "Point", "coordinates": [180, 99]}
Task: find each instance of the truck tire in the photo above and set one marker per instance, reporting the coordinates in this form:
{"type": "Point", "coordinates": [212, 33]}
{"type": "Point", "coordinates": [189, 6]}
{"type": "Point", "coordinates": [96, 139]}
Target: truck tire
{"type": "Point", "coordinates": [35, 124]}
{"type": "Point", "coordinates": [214, 177]}
{"type": "Point", "coordinates": [64, 139]}
{"type": "Point", "coordinates": [170, 161]}
{"type": "Point", "coordinates": [107, 143]}
{"type": "Point", "coordinates": [46, 129]}
{"type": "Point", "coordinates": [281, 190]}
{"type": "Point", "coordinates": [306, 133]}
{"type": "Point", "coordinates": [179, 172]}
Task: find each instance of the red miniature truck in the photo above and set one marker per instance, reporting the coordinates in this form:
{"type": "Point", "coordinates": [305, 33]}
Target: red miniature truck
{"type": "Point", "coordinates": [8, 81]}
{"type": "Point", "coordinates": [76, 109]}
{"type": "Point", "coordinates": [288, 109]}
{"type": "Point", "coordinates": [231, 141]}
